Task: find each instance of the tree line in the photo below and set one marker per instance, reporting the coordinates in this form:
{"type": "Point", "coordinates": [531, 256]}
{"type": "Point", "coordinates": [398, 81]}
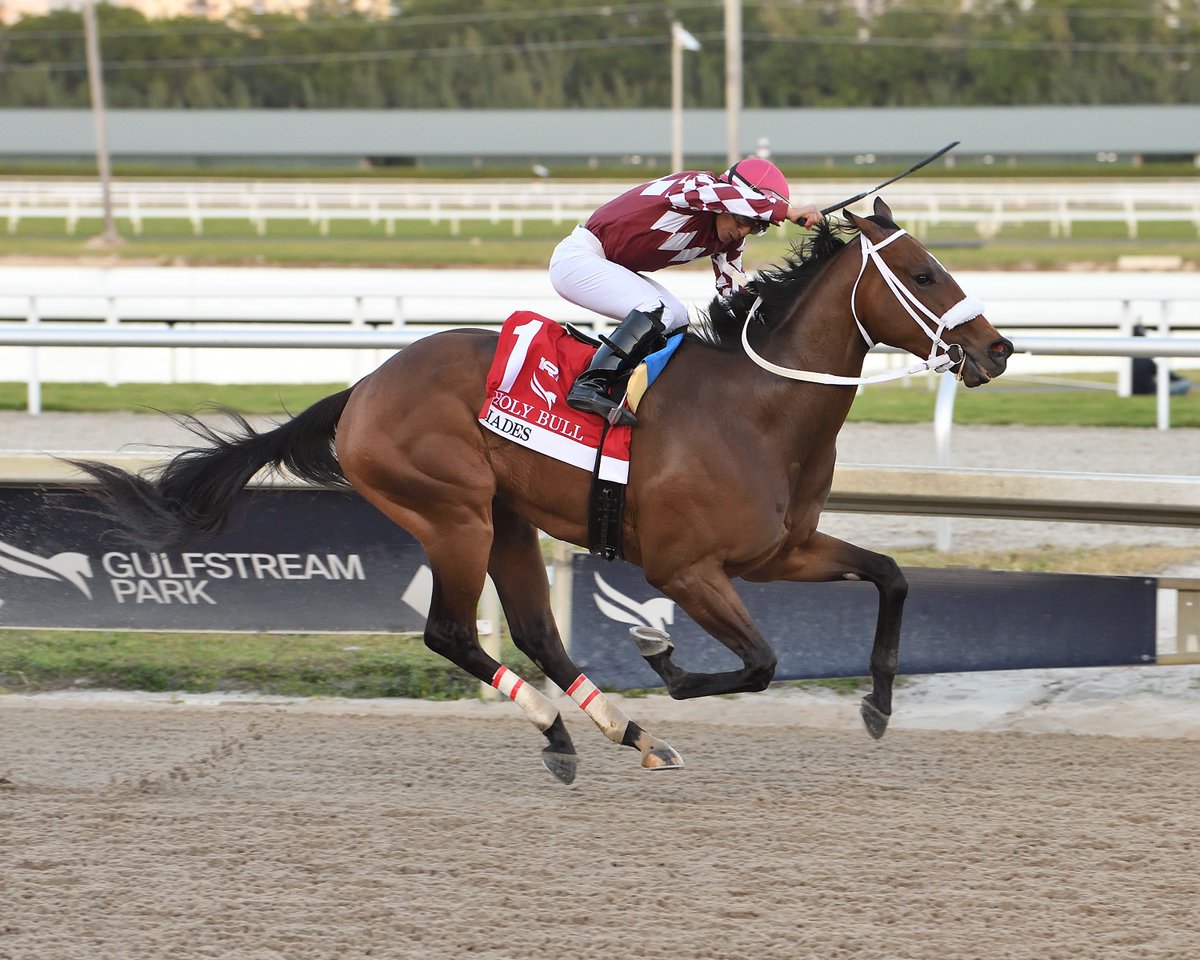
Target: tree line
{"type": "Point", "coordinates": [530, 54]}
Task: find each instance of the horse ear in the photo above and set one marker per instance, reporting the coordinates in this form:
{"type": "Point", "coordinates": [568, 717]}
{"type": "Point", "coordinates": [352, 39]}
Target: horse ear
{"type": "Point", "coordinates": [872, 231]}
{"type": "Point", "coordinates": [883, 210]}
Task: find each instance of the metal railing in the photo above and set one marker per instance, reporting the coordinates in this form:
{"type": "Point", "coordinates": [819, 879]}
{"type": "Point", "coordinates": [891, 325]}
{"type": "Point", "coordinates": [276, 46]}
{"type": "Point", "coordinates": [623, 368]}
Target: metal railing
{"type": "Point", "coordinates": [38, 335]}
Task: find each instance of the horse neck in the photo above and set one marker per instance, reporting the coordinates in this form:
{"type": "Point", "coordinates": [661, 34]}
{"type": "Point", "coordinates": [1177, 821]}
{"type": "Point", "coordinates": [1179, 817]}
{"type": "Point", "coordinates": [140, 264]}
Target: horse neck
{"type": "Point", "coordinates": [819, 332]}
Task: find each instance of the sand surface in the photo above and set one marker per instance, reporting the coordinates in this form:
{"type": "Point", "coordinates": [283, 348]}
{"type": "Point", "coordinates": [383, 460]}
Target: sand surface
{"type": "Point", "coordinates": [143, 827]}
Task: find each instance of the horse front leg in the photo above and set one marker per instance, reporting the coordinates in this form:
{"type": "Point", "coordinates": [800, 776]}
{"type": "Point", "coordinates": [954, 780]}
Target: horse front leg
{"type": "Point", "coordinates": [707, 595]}
{"type": "Point", "coordinates": [822, 559]}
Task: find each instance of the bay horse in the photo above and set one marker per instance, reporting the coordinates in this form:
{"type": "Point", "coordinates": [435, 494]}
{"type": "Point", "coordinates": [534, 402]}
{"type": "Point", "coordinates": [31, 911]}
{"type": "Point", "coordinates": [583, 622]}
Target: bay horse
{"type": "Point", "coordinates": [730, 468]}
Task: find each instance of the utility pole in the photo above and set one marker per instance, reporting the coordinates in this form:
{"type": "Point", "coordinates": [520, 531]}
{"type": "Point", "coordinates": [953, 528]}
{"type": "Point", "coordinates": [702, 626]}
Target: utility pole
{"type": "Point", "coordinates": [109, 237]}
{"type": "Point", "coordinates": [680, 40]}
{"type": "Point", "coordinates": [733, 80]}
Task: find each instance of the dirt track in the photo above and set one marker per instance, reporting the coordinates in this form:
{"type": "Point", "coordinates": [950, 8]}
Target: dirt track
{"type": "Point", "coordinates": [260, 831]}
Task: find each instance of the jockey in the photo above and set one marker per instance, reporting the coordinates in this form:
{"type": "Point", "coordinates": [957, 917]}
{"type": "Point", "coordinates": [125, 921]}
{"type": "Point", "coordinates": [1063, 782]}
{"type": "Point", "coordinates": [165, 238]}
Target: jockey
{"type": "Point", "coordinates": [678, 218]}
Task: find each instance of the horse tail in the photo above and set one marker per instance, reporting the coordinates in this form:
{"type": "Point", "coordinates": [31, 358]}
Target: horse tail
{"type": "Point", "coordinates": [194, 493]}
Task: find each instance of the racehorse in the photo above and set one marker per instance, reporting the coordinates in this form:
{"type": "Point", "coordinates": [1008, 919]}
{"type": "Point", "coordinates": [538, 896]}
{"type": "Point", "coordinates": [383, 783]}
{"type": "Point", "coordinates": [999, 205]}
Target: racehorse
{"type": "Point", "coordinates": [731, 464]}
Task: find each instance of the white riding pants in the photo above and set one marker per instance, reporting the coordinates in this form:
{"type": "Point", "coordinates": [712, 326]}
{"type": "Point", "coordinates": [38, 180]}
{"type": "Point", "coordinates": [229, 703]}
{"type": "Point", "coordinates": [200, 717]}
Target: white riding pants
{"type": "Point", "coordinates": [582, 274]}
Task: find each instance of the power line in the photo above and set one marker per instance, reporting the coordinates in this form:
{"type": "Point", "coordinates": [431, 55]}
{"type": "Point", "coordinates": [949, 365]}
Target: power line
{"type": "Point", "coordinates": [567, 46]}
{"type": "Point", "coordinates": [1024, 46]}
{"type": "Point", "coordinates": [358, 57]}
{"type": "Point", "coordinates": [1069, 13]}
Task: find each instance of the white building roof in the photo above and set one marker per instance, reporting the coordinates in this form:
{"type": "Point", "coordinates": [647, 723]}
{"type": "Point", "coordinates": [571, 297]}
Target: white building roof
{"type": "Point", "coordinates": [551, 135]}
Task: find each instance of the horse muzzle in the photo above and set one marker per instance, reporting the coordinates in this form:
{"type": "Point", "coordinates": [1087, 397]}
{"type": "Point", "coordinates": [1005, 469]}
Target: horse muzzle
{"type": "Point", "coordinates": [984, 365]}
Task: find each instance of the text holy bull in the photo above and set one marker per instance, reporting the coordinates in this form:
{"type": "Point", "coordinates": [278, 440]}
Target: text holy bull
{"type": "Point", "coordinates": [503, 403]}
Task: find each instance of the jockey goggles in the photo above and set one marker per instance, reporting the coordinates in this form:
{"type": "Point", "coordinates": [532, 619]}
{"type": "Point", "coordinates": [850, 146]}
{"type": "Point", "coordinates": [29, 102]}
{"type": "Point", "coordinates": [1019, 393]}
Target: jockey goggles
{"type": "Point", "coordinates": [757, 227]}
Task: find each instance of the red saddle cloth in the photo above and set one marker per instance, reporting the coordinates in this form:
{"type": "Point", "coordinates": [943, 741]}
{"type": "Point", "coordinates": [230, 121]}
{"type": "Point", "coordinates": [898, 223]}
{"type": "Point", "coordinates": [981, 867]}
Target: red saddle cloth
{"type": "Point", "coordinates": [535, 364]}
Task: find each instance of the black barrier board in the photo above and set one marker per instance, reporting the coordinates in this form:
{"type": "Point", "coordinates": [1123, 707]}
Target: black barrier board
{"type": "Point", "coordinates": [320, 560]}
{"type": "Point", "coordinates": [954, 620]}
{"type": "Point", "coordinates": [289, 561]}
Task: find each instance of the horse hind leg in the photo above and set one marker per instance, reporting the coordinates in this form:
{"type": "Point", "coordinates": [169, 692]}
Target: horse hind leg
{"type": "Point", "coordinates": [519, 573]}
{"type": "Point", "coordinates": [706, 594]}
{"type": "Point", "coordinates": [656, 754]}
{"type": "Point", "coordinates": [558, 756]}
{"type": "Point", "coordinates": [458, 559]}
{"type": "Point", "coordinates": [450, 630]}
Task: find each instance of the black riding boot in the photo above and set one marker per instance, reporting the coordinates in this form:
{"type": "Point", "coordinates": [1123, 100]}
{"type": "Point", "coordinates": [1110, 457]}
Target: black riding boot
{"type": "Point", "coordinates": [634, 339]}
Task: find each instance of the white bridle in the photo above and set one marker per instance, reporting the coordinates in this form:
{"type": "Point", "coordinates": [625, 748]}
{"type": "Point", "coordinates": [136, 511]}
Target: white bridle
{"type": "Point", "coordinates": [964, 311]}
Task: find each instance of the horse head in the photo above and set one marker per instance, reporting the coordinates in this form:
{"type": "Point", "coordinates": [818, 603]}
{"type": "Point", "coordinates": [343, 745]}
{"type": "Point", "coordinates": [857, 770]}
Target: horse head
{"type": "Point", "coordinates": [905, 298]}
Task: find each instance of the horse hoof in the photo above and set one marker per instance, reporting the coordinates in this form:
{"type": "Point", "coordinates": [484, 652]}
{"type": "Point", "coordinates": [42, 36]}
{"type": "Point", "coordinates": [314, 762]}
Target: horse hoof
{"type": "Point", "coordinates": [662, 757]}
{"type": "Point", "coordinates": [651, 641]}
{"type": "Point", "coordinates": [562, 765]}
{"type": "Point", "coordinates": [875, 719]}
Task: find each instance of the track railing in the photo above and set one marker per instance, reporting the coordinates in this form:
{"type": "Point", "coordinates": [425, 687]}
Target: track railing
{"type": "Point", "coordinates": [35, 334]}
{"type": "Point", "coordinates": [990, 206]}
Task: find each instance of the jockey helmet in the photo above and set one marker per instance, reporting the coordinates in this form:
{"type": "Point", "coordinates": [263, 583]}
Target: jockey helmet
{"type": "Point", "coordinates": [760, 174]}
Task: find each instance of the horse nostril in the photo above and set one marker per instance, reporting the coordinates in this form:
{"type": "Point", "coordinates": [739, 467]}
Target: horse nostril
{"type": "Point", "coordinates": [1001, 350]}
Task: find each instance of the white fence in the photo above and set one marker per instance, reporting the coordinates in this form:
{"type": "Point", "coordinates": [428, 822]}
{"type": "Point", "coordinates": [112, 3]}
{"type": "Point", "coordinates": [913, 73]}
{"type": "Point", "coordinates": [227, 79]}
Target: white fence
{"type": "Point", "coordinates": [180, 318]}
{"type": "Point", "coordinates": [988, 205]}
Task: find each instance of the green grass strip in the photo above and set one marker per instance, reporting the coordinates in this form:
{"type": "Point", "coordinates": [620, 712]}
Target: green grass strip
{"type": "Point", "coordinates": [253, 398]}
{"type": "Point", "coordinates": [302, 665]}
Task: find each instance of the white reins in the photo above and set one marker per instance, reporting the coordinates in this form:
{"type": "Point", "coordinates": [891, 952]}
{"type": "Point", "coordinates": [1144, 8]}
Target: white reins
{"type": "Point", "coordinates": [965, 310]}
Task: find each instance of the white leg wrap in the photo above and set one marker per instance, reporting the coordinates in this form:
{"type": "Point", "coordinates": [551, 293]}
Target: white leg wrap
{"type": "Point", "coordinates": [536, 706]}
{"type": "Point", "coordinates": [611, 721]}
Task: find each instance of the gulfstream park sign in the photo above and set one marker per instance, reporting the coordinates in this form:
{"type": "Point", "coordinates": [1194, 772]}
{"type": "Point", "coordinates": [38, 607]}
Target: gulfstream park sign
{"type": "Point", "coordinates": [311, 560]}
{"type": "Point", "coordinates": [298, 560]}
{"type": "Point", "coordinates": [186, 577]}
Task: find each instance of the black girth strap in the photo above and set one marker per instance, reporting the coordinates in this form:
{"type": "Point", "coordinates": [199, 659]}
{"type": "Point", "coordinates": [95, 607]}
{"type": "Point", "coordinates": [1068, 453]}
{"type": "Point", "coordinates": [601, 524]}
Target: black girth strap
{"type": "Point", "coordinates": [606, 507]}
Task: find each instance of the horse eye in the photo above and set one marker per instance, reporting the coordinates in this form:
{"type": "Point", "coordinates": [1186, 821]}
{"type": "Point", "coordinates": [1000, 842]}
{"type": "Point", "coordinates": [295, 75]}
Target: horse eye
{"type": "Point", "coordinates": [924, 279]}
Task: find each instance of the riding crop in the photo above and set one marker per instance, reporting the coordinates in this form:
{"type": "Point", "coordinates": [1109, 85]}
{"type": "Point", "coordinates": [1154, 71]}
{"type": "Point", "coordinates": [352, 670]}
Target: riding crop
{"type": "Point", "coordinates": [900, 176]}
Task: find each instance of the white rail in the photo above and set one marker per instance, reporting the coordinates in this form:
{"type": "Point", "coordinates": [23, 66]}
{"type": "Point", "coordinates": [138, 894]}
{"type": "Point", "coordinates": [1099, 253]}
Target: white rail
{"type": "Point", "coordinates": [38, 335]}
{"type": "Point", "coordinates": [1048, 315]}
{"type": "Point", "coordinates": [989, 205]}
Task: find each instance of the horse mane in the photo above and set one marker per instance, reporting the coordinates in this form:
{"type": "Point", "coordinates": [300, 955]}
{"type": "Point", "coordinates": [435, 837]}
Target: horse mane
{"type": "Point", "coordinates": [779, 286]}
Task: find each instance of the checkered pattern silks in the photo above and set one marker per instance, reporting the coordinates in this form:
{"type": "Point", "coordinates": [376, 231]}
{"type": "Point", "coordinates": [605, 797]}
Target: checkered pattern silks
{"type": "Point", "coordinates": [670, 220]}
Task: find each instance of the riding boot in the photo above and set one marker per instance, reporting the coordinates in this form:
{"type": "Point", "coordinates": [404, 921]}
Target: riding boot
{"type": "Point", "coordinates": [634, 339]}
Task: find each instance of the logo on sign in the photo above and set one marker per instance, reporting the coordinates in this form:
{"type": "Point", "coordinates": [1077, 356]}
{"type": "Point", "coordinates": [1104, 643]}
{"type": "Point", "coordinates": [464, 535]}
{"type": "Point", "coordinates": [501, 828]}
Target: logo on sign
{"type": "Point", "coordinates": [176, 578]}
{"type": "Point", "coordinates": [656, 612]}
{"type": "Point", "coordinates": [70, 567]}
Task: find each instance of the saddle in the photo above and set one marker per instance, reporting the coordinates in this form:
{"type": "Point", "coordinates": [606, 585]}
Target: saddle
{"type": "Point", "coordinates": [536, 362]}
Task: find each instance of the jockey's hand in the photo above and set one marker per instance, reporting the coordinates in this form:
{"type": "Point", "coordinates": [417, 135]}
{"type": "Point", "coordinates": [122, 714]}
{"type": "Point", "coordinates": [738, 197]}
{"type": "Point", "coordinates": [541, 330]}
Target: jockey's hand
{"type": "Point", "coordinates": [804, 214]}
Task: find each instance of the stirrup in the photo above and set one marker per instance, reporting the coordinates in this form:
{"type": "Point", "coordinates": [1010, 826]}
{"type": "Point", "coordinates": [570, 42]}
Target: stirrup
{"type": "Point", "coordinates": [597, 402]}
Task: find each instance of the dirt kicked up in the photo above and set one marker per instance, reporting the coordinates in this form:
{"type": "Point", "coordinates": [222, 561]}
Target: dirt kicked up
{"type": "Point", "coordinates": [311, 831]}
